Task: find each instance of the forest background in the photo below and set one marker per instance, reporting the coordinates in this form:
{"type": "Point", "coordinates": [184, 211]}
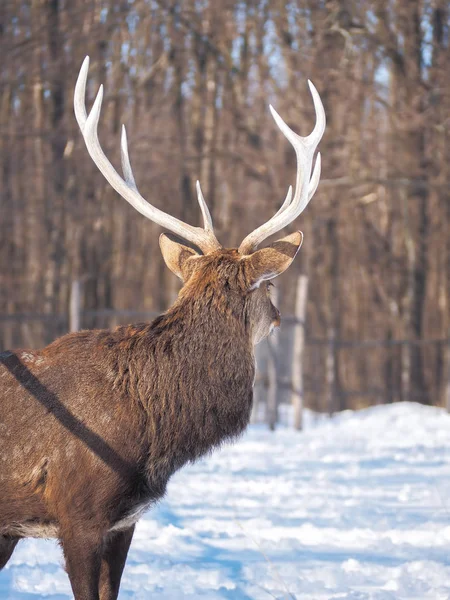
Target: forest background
{"type": "Point", "coordinates": [192, 81]}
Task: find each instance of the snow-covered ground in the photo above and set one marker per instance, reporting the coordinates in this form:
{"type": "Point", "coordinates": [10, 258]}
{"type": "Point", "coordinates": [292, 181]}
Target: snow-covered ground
{"type": "Point", "coordinates": [356, 507]}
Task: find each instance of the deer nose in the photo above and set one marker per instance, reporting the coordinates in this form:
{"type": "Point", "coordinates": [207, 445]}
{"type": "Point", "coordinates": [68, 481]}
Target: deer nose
{"type": "Point", "coordinates": [277, 319]}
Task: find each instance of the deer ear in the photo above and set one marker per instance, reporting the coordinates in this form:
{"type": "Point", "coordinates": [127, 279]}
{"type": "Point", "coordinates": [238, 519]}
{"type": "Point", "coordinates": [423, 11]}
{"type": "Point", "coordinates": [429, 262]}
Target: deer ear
{"type": "Point", "coordinates": [270, 262]}
{"type": "Point", "coordinates": [178, 257]}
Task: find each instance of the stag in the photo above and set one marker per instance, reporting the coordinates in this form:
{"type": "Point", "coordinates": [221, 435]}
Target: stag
{"type": "Point", "coordinates": [94, 425]}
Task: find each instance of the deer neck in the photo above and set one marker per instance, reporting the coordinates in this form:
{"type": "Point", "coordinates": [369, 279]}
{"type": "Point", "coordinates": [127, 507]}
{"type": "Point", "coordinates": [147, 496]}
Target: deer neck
{"type": "Point", "coordinates": [193, 372]}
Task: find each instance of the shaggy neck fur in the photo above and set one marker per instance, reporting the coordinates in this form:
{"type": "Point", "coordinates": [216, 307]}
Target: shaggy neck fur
{"type": "Point", "coordinates": [191, 370]}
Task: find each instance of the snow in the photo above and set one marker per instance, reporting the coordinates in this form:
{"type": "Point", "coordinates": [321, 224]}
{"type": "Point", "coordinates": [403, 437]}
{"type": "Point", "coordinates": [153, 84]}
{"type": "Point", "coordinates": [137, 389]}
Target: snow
{"type": "Point", "coordinates": [355, 507]}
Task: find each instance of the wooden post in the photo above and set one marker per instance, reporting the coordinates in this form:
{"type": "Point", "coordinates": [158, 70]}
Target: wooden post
{"type": "Point", "coordinates": [297, 394]}
{"type": "Point", "coordinates": [272, 393]}
{"type": "Point", "coordinates": [406, 371]}
{"type": "Point", "coordinates": [447, 394]}
{"type": "Point", "coordinates": [8, 341]}
{"type": "Point", "coordinates": [75, 306]}
{"type": "Point", "coordinates": [331, 371]}
{"type": "Point", "coordinates": [256, 403]}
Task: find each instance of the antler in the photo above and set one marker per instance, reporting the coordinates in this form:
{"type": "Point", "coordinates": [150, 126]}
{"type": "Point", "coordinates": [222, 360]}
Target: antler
{"type": "Point", "coordinates": [202, 238]}
{"type": "Point", "coordinates": [305, 185]}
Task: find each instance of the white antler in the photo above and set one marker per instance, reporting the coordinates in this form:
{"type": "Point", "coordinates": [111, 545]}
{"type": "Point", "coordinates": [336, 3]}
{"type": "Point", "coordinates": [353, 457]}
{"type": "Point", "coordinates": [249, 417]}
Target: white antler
{"type": "Point", "coordinates": [202, 238]}
{"type": "Point", "coordinates": [306, 184]}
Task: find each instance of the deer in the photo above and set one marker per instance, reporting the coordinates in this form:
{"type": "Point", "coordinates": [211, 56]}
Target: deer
{"type": "Point", "coordinates": [93, 426]}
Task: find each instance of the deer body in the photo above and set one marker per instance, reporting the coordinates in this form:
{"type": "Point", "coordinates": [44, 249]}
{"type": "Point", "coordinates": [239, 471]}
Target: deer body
{"type": "Point", "coordinates": [93, 426]}
{"type": "Point", "coordinates": [139, 402]}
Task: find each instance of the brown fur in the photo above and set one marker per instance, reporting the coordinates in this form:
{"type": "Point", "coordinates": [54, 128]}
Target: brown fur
{"type": "Point", "coordinates": [93, 426]}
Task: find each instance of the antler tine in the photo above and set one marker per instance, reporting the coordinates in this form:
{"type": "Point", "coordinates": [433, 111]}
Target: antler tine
{"type": "Point", "coordinates": [286, 202]}
{"type": "Point", "coordinates": [315, 178]}
{"type": "Point", "coordinates": [313, 183]}
{"type": "Point", "coordinates": [306, 184]}
{"type": "Point", "coordinates": [80, 94]}
{"type": "Point", "coordinates": [202, 238]}
{"type": "Point", "coordinates": [207, 220]}
{"type": "Point", "coordinates": [125, 158]}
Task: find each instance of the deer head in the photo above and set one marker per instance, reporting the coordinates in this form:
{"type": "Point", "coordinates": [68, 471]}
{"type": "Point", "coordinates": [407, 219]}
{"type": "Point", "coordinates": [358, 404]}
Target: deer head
{"type": "Point", "coordinates": [235, 280]}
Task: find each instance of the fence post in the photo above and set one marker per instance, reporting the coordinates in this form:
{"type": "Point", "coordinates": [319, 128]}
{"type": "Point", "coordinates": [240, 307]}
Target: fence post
{"type": "Point", "coordinates": [75, 306]}
{"type": "Point", "coordinates": [8, 341]}
{"type": "Point", "coordinates": [298, 394]}
{"type": "Point", "coordinates": [448, 374]}
{"type": "Point", "coordinates": [331, 370]}
{"type": "Point", "coordinates": [406, 371]}
{"type": "Point", "coordinates": [272, 392]}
